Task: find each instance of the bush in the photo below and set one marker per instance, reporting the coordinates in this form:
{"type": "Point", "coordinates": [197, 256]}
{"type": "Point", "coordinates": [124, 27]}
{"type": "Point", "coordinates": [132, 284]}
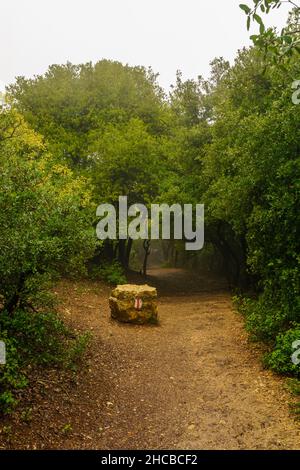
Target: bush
{"type": "Point", "coordinates": [46, 231]}
{"type": "Point", "coordinates": [264, 320]}
{"type": "Point", "coordinates": [11, 375]}
{"type": "Point", "coordinates": [112, 273]}
{"type": "Point", "coordinates": [269, 321]}
{"type": "Point", "coordinates": [37, 339]}
{"type": "Point", "coordinates": [266, 316]}
{"type": "Point", "coordinates": [293, 385]}
{"type": "Point", "coordinates": [280, 360]}
{"type": "Point", "coordinates": [45, 218]}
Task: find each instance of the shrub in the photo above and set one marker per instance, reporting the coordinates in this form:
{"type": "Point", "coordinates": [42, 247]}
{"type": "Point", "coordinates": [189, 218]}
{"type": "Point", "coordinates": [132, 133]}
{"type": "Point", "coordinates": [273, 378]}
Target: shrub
{"type": "Point", "coordinates": [293, 385]}
{"type": "Point", "coordinates": [45, 218]}
{"type": "Point", "coordinates": [38, 339]}
{"type": "Point", "coordinates": [280, 360]}
{"type": "Point", "coordinates": [46, 231]}
{"type": "Point", "coordinates": [11, 376]}
{"type": "Point", "coordinates": [266, 316]}
{"type": "Point", "coordinates": [264, 320]}
{"type": "Point", "coordinates": [112, 273]}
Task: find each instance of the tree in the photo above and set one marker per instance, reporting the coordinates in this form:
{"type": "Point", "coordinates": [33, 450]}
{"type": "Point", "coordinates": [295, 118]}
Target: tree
{"type": "Point", "coordinates": [71, 101]}
{"type": "Point", "coordinates": [276, 46]}
{"type": "Point", "coordinates": [45, 217]}
{"type": "Point", "coordinates": [104, 121]}
{"type": "Point", "coordinates": [126, 160]}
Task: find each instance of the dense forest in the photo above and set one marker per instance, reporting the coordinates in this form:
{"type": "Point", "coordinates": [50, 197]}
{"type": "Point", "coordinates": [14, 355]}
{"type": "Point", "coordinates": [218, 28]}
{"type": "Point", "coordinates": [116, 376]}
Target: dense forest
{"type": "Point", "coordinates": [82, 135]}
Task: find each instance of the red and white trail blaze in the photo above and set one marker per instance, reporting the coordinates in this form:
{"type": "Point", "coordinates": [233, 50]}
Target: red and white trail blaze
{"type": "Point", "coordinates": [138, 303]}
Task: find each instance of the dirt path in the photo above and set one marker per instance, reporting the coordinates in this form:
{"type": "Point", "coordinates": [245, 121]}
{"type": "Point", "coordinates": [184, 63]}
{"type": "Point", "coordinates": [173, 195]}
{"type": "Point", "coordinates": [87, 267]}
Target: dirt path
{"type": "Point", "coordinates": [194, 382]}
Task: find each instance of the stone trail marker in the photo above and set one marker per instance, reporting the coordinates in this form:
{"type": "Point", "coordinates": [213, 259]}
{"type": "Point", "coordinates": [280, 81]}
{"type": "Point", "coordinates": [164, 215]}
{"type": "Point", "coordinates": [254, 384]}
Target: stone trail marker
{"type": "Point", "coordinates": [134, 304]}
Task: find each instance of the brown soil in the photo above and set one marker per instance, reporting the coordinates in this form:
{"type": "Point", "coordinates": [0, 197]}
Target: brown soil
{"type": "Point", "coordinates": [193, 382]}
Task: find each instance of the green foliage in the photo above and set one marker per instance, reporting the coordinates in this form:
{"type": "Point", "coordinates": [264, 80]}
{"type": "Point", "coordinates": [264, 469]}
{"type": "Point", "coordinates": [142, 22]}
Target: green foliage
{"type": "Point", "coordinates": [111, 272]}
{"type": "Point", "coordinates": [280, 360]}
{"type": "Point", "coordinates": [45, 217]}
{"type": "Point", "coordinates": [293, 385]}
{"type": "Point", "coordinates": [105, 121]}
{"type": "Point", "coordinates": [231, 142]}
{"type": "Point", "coordinates": [11, 376]}
{"type": "Point", "coordinates": [126, 161]}
{"type": "Point", "coordinates": [244, 166]}
{"type": "Point", "coordinates": [251, 172]}
{"type": "Point", "coordinates": [264, 317]}
{"type": "Point", "coordinates": [276, 46]}
{"type": "Point", "coordinates": [67, 429]}
{"type": "Point", "coordinates": [34, 339]}
{"type": "Point", "coordinates": [46, 231]}
{"type": "Point", "coordinates": [71, 102]}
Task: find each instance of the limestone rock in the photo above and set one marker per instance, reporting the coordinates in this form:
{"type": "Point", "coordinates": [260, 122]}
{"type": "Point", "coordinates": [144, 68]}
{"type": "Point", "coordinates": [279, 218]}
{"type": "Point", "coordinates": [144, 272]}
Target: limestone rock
{"type": "Point", "coordinates": [134, 304]}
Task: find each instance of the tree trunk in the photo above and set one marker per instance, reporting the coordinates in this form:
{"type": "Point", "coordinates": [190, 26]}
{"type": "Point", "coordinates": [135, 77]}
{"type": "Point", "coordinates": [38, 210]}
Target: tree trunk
{"type": "Point", "coordinates": [146, 246]}
{"type": "Point", "coordinates": [128, 252]}
{"type": "Point", "coordinates": [12, 303]}
{"type": "Point", "coordinates": [122, 252]}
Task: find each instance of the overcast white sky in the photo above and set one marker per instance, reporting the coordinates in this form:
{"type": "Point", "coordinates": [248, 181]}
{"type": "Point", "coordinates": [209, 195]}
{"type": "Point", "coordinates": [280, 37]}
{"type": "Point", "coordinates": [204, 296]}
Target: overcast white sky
{"type": "Point", "coordinates": [166, 34]}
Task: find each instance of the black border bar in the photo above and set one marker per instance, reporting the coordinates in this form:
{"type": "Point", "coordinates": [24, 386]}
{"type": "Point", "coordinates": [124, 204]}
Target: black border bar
{"type": "Point", "coordinates": [137, 459]}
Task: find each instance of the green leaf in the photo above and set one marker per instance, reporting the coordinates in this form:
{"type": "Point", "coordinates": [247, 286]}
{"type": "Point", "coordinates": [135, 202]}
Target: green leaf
{"type": "Point", "coordinates": [245, 8]}
{"type": "Point", "coordinates": [248, 23]}
{"type": "Point", "coordinates": [258, 19]}
{"type": "Point", "coordinates": [262, 28]}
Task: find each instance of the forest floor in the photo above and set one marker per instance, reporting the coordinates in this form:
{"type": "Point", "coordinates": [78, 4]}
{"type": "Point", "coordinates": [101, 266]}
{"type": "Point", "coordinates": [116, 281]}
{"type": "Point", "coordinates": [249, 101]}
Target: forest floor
{"type": "Point", "coordinates": [193, 382]}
